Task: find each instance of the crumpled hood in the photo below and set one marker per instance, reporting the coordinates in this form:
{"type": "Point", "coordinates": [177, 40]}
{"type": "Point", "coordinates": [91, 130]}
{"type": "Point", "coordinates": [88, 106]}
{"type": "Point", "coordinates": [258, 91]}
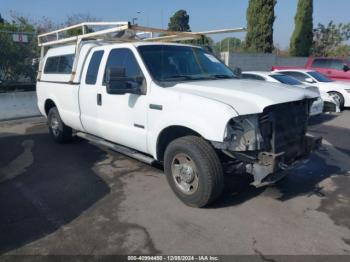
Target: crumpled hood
{"type": "Point", "coordinates": [245, 96]}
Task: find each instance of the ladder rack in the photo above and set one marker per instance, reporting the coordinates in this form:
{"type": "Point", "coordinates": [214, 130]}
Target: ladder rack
{"type": "Point", "coordinates": [115, 32]}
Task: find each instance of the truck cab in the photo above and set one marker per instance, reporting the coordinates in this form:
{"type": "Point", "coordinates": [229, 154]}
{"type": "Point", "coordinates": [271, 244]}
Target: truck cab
{"type": "Point", "coordinates": [334, 68]}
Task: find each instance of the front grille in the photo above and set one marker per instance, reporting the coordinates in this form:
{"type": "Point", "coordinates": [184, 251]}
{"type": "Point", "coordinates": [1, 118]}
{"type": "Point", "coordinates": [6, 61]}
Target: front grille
{"type": "Point", "coordinates": [283, 127]}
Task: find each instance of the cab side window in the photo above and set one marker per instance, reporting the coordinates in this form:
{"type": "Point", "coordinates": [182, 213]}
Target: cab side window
{"type": "Point", "coordinates": [337, 64]}
{"type": "Point", "coordinates": [123, 58]}
{"type": "Point", "coordinates": [94, 65]}
{"type": "Point", "coordinates": [321, 63]}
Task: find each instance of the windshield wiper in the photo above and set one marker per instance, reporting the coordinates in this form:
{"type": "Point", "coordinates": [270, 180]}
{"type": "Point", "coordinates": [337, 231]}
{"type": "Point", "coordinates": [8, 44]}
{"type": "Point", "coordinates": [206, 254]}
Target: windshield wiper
{"type": "Point", "coordinates": [198, 77]}
{"type": "Point", "coordinates": [222, 76]}
{"type": "Point", "coordinates": [188, 77]}
{"type": "Point", "coordinates": [182, 76]}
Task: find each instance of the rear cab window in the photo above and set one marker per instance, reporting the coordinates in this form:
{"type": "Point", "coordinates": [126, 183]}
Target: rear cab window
{"type": "Point", "coordinates": [94, 65]}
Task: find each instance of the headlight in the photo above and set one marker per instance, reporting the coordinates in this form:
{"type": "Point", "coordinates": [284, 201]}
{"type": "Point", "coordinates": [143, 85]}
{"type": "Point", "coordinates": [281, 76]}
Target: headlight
{"type": "Point", "coordinates": [243, 133]}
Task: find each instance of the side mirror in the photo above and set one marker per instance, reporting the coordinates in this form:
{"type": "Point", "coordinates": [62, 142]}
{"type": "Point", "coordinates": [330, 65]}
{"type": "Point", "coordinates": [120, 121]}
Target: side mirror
{"type": "Point", "coordinates": [309, 80]}
{"type": "Point", "coordinates": [238, 72]}
{"type": "Point", "coordinates": [118, 84]}
{"type": "Point", "coordinates": [346, 68]}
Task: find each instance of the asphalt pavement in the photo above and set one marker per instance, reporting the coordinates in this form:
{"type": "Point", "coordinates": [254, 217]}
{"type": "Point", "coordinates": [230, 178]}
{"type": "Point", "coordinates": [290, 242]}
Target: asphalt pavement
{"type": "Point", "coordinates": [82, 199]}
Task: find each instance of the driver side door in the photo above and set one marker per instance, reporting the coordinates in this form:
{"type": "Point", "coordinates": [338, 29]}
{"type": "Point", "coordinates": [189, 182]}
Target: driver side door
{"type": "Point", "coordinates": [123, 117]}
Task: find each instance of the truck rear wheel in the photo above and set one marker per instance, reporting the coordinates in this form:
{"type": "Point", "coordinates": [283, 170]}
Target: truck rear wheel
{"type": "Point", "coordinates": [193, 171]}
{"type": "Point", "coordinates": [58, 130]}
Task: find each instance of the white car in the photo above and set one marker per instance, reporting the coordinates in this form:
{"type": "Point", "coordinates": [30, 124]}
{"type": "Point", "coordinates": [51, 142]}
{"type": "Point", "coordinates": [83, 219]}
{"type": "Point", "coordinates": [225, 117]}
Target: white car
{"type": "Point", "coordinates": [340, 91]}
{"type": "Point", "coordinates": [325, 103]}
{"type": "Point", "coordinates": [175, 104]}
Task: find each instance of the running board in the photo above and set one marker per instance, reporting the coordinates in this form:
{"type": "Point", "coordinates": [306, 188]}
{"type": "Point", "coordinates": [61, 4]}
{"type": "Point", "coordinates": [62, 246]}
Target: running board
{"type": "Point", "coordinates": [118, 148]}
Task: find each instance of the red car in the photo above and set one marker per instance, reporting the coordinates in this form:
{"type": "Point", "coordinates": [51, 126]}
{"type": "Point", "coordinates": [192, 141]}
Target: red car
{"type": "Point", "coordinates": [334, 68]}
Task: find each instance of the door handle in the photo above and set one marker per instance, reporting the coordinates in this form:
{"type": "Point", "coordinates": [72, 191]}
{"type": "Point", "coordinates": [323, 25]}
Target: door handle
{"type": "Point", "coordinates": [99, 99]}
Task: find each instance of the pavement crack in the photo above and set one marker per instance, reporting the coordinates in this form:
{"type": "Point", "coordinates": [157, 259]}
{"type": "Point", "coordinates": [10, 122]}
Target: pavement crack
{"type": "Point", "coordinates": [259, 253]}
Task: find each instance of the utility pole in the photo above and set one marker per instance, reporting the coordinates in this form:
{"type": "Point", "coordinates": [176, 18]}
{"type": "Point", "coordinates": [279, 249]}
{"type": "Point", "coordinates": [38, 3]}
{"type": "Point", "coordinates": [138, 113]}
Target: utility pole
{"type": "Point", "coordinates": [228, 46]}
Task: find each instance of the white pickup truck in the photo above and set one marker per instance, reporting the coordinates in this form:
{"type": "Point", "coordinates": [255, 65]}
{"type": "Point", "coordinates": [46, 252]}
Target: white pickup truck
{"type": "Point", "coordinates": [178, 105]}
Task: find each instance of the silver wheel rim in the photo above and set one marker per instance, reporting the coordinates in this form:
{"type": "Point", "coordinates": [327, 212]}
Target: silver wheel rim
{"type": "Point", "coordinates": [184, 173]}
{"type": "Point", "coordinates": [55, 125]}
{"type": "Point", "coordinates": [336, 97]}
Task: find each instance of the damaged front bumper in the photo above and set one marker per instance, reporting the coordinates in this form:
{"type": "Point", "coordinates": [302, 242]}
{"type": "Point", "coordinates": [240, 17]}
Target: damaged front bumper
{"type": "Point", "coordinates": [267, 167]}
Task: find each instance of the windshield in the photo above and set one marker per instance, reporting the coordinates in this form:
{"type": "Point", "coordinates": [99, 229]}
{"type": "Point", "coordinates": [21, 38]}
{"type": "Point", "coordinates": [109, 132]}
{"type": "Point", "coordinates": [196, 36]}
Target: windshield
{"type": "Point", "coordinates": [284, 79]}
{"type": "Point", "coordinates": [319, 77]}
{"type": "Point", "coordinates": [182, 63]}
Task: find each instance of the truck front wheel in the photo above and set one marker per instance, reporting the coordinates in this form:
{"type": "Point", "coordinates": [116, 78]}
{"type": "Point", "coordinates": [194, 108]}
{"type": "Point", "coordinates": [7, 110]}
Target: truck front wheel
{"type": "Point", "coordinates": [58, 130]}
{"type": "Point", "coordinates": [194, 171]}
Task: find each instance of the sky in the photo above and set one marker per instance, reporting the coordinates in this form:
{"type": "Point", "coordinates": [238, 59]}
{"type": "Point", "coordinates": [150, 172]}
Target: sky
{"type": "Point", "coordinates": [204, 14]}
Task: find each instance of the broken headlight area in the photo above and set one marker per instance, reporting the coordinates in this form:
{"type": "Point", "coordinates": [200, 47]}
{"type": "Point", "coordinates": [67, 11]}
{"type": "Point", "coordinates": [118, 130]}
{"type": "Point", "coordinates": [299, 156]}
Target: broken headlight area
{"type": "Point", "coordinates": [243, 134]}
{"type": "Point", "coordinates": [270, 142]}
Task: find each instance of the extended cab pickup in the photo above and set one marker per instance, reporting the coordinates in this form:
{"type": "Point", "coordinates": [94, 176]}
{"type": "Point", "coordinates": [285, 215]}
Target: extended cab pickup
{"type": "Point", "coordinates": [178, 105]}
{"type": "Point", "coordinates": [333, 68]}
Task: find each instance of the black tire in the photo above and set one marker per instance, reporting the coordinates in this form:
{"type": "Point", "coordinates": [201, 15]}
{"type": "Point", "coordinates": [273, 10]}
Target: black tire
{"type": "Point", "coordinates": [58, 130]}
{"type": "Point", "coordinates": [341, 98]}
{"type": "Point", "coordinates": [209, 174]}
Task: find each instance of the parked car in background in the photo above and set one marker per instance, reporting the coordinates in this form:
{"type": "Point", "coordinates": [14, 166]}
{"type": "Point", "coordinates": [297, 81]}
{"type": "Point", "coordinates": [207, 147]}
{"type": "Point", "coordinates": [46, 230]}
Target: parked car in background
{"type": "Point", "coordinates": [324, 104]}
{"type": "Point", "coordinates": [333, 68]}
{"type": "Point", "coordinates": [340, 91]}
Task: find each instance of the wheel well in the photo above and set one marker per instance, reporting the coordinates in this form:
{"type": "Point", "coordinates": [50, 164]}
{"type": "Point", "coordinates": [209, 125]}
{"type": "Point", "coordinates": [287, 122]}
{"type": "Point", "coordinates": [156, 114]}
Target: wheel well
{"type": "Point", "coordinates": [168, 135]}
{"type": "Point", "coordinates": [48, 105]}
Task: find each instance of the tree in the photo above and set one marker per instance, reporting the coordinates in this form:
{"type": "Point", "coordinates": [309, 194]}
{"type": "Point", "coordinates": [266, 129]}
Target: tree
{"type": "Point", "coordinates": [77, 19]}
{"type": "Point", "coordinates": [260, 19]}
{"type": "Point", "coordinates": [16, 59]}
{"type": "Point", "coordinates": [1, 20]}
{"type": "Point", "coordinates": [301, 41]}
{"type": "Point", "coordinates": [231, 44]}
{"type": "Point", "coordinates": [204, 41]}
{"type": "Point", "coordinates": [44, 25]}
{"type": "Point", "coordinates": [179, 22]}
{"type": "Point", "coordinates": [330, 40]}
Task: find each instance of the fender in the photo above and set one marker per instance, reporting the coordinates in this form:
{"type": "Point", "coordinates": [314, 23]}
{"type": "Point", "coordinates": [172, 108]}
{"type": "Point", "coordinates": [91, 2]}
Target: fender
{"type": "Point", "coordinates": [193, 112]}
